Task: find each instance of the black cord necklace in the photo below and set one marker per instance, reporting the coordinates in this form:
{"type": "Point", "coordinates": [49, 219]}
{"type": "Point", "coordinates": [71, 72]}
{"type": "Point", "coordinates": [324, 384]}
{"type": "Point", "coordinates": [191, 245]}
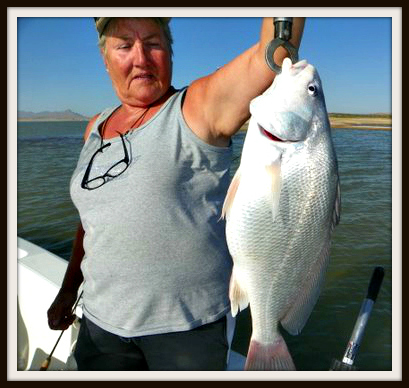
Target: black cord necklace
{"type": "Point", "coordinates": [139, 119]}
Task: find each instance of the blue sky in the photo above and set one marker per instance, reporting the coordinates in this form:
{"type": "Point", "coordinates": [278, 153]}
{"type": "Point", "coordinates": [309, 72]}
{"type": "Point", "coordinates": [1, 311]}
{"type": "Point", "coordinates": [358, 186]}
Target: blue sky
{"type": "Point", "coordinates": [59, 66]}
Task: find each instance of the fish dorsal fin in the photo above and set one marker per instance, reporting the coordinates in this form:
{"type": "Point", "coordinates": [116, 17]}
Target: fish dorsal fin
{"type": "Point", "coordinates": [298, 314]}
{"type": "Point", "coordinates": [231, 193]}
{"type": "Point", "coordinates": [337, 208]}
{"type": "Point", "coordinates": [274, 172]}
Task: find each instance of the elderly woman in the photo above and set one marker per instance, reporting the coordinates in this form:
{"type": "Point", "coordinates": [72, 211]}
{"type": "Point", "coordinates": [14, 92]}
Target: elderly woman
{"type": "Point", "coordinates": [149, 186]}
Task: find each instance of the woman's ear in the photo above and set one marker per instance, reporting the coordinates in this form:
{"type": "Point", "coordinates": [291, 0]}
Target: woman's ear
{"type": "Point", "coordinates": [102, 52]}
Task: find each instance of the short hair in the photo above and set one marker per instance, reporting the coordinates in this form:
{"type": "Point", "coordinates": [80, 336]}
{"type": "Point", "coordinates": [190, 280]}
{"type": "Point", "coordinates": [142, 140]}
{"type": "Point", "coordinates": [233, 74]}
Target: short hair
{"type": "Point", "coordinates": [163, 23]}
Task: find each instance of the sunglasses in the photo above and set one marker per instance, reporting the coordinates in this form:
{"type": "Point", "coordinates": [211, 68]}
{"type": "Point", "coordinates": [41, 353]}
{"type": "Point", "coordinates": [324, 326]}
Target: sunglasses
{"type": "Point", "coordinates": [114, 171]}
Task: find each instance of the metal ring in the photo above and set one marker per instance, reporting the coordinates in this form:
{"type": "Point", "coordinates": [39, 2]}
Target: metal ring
{"type": "Point", "coordinates": [272, 47]}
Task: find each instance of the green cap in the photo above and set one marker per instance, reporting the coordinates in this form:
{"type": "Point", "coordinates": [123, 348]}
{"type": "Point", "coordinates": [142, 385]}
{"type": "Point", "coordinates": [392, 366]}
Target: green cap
{"type": "Point", "coordinates": [101, 23]}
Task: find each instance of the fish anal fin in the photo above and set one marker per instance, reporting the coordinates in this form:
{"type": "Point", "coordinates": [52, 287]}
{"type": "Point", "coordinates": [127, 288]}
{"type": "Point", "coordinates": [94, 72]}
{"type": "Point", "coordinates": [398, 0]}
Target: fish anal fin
{"type": "Point", "coordinates": [274, 172]}
{"type": "Point", "coordinates": [238, 296]}
{"type": "Point", "coordinates": [307, 295]}
{"type": "Point", "coordinates": [231, 193]}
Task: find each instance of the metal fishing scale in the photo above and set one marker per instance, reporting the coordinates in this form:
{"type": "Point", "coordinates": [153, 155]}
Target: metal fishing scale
{"type": "Point", "coordinates": [282, 35]}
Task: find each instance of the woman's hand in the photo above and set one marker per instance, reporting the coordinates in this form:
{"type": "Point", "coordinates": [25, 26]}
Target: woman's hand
{"type": "Point", "coordinates": [224, 96]}
{"type": "Point", "coordinates": [60, 315]}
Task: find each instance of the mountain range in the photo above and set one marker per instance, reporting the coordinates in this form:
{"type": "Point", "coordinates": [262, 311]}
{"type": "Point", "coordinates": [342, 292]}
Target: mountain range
{"type": "Point", "coordinates": [66, 115]}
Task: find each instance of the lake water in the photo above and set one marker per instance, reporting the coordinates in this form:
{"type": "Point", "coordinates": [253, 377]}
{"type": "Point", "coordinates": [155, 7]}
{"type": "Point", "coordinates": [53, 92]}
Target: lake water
{"type": "Point", "coordinates": [47, 154]}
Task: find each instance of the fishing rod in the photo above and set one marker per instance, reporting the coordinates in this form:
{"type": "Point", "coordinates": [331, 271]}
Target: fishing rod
{"type": "Point", "coordinates": [46, 362]}
{"type": "Point", "coordinates": [356, 337]}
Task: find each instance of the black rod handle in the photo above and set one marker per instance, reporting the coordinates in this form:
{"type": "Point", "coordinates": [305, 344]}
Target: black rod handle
{"type": "Point", "coordinates": [375, 283]}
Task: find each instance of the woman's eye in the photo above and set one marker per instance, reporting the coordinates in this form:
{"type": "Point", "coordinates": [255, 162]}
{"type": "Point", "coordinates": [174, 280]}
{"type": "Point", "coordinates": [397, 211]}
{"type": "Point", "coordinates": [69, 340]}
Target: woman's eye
{"type": "Point", "coordinates": [153, 44]}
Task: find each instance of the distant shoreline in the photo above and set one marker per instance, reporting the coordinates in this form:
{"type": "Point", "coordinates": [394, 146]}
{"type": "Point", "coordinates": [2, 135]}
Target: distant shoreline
{"type": "Point", "coordinates": [373, 122]}
{"type": "Point", "coordinates": [350, 121]}
{"type": "Point", "coordinates": [337, 121]}
{"type": "Point", "coordinates": [363, 127]}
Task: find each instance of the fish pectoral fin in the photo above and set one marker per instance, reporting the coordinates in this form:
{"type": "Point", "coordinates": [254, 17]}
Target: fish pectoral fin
{"type": "Point", "coordinates": [307, 295]}
{"type": "Point", "coordinates": [238, 296]}
{"type": "Point", "coordinates": [274, 172]}
{"type": "Point", "coordinates": [231, 193]}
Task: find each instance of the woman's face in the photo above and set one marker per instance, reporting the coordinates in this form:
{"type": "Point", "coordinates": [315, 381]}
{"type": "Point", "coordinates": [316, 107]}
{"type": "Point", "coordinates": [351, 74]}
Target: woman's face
{"type": "Point", "coordinates": [138, 60]}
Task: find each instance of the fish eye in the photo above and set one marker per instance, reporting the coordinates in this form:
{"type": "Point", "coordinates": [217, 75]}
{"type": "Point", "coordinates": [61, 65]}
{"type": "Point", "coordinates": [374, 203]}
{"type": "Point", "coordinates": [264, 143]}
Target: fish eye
{"type": "Point", "coordinates": [312, 90]}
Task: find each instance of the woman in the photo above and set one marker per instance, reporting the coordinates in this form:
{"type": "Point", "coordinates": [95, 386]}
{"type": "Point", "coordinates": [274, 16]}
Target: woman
{"type": "Point", "coordinates": [149, 186]}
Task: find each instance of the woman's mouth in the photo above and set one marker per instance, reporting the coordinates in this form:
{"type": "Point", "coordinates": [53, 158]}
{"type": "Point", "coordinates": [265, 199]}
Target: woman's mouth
{"type": "Point", "coordinates": [143, 76]}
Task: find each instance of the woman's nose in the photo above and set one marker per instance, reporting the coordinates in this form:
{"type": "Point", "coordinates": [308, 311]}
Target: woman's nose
{"type": "Point", "coordinates": [140, 55]}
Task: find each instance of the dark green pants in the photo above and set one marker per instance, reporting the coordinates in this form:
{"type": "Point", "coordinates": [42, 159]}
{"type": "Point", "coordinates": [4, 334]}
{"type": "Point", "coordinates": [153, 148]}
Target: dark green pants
{"type": "Point", "coordinates": [203, 348]}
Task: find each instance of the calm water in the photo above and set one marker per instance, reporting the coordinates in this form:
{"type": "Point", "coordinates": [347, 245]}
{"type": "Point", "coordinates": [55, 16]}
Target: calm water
{"type": "Point", "coordinates": [47, 155]}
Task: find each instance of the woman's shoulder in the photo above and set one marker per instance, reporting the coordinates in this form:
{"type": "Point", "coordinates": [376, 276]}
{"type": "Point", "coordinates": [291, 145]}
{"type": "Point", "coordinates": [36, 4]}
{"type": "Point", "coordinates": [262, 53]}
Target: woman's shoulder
{"type": "Point", "coordinates": [99, 116]}
{"type": "Point", "coordinates": [90, 126]}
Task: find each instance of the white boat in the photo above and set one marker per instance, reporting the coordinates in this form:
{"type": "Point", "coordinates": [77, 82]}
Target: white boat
{"type": "Point", "coordinates": [40, 274]}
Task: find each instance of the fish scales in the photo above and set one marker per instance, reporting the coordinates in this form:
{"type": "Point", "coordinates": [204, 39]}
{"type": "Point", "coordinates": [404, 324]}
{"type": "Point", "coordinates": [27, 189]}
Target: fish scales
{"type": "Point", "coordinates": [281, 208]}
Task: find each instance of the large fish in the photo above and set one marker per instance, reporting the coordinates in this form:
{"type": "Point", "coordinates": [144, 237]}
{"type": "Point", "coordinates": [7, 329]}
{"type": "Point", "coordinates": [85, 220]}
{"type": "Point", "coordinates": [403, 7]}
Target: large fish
{"type": "Point", "coordinates": [281, 208]}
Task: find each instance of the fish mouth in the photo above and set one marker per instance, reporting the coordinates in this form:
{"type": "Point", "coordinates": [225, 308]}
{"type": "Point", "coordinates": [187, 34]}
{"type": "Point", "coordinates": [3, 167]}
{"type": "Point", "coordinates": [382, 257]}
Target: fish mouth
{"type": "Point", "coordinates": [275, 138]}
{"type": "Point", "coordinates": [269, 135]}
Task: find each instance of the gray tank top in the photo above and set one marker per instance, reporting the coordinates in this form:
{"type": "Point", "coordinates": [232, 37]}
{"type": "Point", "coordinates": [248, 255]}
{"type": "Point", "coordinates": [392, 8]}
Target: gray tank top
{"type": "Point", "coordinates": [156, 258]}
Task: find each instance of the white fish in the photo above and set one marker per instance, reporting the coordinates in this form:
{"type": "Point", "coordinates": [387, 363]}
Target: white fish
{"type": "Point", "coordinates": [281, 208]}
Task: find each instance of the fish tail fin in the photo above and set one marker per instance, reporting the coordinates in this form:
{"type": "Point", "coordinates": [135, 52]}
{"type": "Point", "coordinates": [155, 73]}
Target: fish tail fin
{"type": "Point", "coordinates": [273, 356]}
{"type": "Point", "coordinates": [238, 297]}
